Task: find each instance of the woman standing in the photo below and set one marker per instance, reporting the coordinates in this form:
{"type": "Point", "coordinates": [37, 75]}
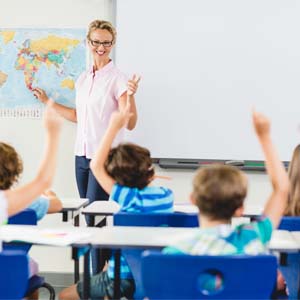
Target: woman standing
{"type": "Point", "coordinates": [100, 90]}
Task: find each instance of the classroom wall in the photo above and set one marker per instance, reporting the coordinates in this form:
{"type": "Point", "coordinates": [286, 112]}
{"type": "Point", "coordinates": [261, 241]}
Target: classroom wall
{"type": "Point", "coordinates": [27, 135]}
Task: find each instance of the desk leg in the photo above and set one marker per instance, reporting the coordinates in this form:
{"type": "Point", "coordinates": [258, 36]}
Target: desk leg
{"type": "Point", "coordinates": [86, 275]}
{"type": "Point", "coordinates": [65, 216]}
{"type": "Point", "coordinates": [76, 264]}
{"type": "Point", "coordinates": [290, 267]}
{"type": "Point", "coordinates": [76, 220]}
{"type": "Point", "coordinates": [117, 292]}
{"type": "Point", "coordinates": [75, 255]}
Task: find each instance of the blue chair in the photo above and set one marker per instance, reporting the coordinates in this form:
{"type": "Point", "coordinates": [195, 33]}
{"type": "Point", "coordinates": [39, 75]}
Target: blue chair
{"type": "Point", "coordinates": [290, 262]}
{"type": "Point", "coordinates": [13, 275]}
{"type": "Point", "coordinates": [183, 276]}
{"type": "Point", "coordinates": [133, 256]}
{"type": "Point", "coordinates": [28, 217]}
{"type": "Point", "coordinates": [176, 219]}
{"type": "Point", "coordinates": [290, 223]}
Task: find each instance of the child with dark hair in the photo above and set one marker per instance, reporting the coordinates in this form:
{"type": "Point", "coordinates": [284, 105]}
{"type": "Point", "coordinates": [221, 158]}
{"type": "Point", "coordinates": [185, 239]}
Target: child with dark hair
{"type": "Point", "coordinates": [125, 172]}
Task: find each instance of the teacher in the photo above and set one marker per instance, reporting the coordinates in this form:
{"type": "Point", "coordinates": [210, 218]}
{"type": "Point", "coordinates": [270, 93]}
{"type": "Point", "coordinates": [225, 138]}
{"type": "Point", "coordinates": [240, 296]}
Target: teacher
{"type": "Point", "coordinates": [100, 90]}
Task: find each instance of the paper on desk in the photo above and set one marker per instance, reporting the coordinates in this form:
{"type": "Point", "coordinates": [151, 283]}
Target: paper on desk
{"type": "Point", "coordinates": [55, 237]}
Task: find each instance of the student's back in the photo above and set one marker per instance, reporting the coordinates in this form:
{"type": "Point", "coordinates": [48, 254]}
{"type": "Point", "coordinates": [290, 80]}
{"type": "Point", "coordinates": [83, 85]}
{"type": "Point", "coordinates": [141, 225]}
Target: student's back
{"type": "Point", "coordinates": [219, 193]}
{"type": "Point", "coordinates": [126, 173]}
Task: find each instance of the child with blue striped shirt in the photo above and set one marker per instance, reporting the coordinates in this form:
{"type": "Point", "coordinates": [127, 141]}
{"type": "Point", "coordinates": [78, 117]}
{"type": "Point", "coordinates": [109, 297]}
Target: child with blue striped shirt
{"type": "Point", "coordinates": [124, 172]}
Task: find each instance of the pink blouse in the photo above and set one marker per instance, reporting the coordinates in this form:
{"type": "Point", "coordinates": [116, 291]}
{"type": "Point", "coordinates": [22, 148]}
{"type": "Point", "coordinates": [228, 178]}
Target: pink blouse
{"type": "Point", "coordinates": [97, 95]}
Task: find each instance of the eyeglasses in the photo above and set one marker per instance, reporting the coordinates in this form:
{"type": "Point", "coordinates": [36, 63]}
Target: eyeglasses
{"type": "Point", "coordinates": [105, 44]}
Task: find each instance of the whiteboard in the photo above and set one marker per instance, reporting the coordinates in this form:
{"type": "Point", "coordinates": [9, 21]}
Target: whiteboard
{"type": "Point", "coordinates": [204, 65]}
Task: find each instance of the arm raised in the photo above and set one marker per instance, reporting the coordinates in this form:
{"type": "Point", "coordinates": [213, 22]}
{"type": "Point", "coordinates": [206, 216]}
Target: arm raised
{"type": "Point", "coordinates": [21, 197]}
{"type": "Point", "coordinates": [277, 201]}
{"type": "Point", "coordinates": [117, 121]}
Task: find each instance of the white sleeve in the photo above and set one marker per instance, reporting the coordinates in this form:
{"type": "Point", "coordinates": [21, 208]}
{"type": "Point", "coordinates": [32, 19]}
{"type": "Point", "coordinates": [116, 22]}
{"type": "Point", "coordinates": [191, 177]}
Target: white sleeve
{"type": "Point", "coordinates": [3, 208]}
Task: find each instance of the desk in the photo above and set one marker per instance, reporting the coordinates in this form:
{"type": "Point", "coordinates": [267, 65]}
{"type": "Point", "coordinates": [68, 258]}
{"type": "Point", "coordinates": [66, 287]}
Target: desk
{"type": "Point", "coordinates": [72, 206]}
{"type": "Point", "coordinates": [119, 237]}
{"type": "Point", "coordinates": [249, 212]}
{"type": "Point", "coordinates": [42, 236]}
{"type": "Point", "coordinates": [101, 209]}
{"type": "Point", "coordinates": [122, 237]}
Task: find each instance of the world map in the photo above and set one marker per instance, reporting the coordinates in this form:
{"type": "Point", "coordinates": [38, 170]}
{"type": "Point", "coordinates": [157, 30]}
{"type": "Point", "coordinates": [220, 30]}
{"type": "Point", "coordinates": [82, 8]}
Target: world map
{"type": "Point", "coordinates": [51, 59]}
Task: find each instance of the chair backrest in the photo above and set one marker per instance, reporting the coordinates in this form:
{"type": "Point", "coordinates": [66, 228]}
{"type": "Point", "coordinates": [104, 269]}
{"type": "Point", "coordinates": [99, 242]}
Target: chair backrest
{"type": "Point", "coordinates": [290, 223]}
{"type": "Point", "coordinates": [25, 217]}
{"type": "Point", "coordinates": [133, 256]}
{"type": "Point", "coordinates": [13, 275]}
{"type": "Point", "coordinates": [187, 276]}
{"type": "Point", "coordinates": [156, 219]}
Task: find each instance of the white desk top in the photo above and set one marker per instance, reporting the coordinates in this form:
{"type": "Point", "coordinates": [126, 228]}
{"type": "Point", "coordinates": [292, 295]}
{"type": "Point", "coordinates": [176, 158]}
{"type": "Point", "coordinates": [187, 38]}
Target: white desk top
{"type": "Point", "coordinates": [101, 208]}
{"type": "Point", "coordinates": [186, 208]}
{"type": "Point", "coordinates": [60, 236]}
{"type": "Point", "coordinates": [106, 208]}
{"type": "Point", "coordinates": [71, 204]}
{"type": "Point", "coordinates": [296, 236]}
{"type": "Point", "coordinates": [250, 210]}
{"type": "Point", "coordinates": [122, 236]}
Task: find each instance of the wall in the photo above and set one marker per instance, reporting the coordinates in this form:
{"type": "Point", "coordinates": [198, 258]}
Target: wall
{"type": "Point", "coordinates": [27, 135]}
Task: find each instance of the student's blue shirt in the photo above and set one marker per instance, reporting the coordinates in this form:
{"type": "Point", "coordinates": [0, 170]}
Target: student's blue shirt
{"type": "Point", "coordinates": [224, 239]}
{"type": "Point", "coordinates": [40, 206]}
{"type": "Point", "coordinates": [151, 199]}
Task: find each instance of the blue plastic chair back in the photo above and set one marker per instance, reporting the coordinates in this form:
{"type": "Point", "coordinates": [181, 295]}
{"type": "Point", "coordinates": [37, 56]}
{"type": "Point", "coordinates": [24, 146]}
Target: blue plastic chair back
{"type": "Point", "coordinates": [290, 223]}
{"type": "Point", "coordinates": [133, 256]}
{"type": "Point", "coordinates": [187, 276]}
{"type": "Point", "coordinates": [14, 274]}
{"type": "Point", "coordinates": [289, 267]}
{"type": "Point", "coordinates": [175, 219]}
{"type": "Point", "coordinates": [25, 217]}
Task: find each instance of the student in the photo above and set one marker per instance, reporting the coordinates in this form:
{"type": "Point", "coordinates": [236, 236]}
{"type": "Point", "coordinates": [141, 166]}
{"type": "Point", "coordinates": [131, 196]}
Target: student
{"type": "Point", "coordinates": [125, 172]}
{"type": "Point", "coordinates": [11, 167]}
{"type": "Point", "coordinates": [293, 205]}
{"type": "Point", "coordinates": [17, 199]}
{"type": "Point", "coordinates": [219, 192]}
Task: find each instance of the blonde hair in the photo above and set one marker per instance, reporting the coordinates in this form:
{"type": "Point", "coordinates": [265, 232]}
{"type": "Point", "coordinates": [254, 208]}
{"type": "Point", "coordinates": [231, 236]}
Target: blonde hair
{"type": "Point", "coordinates": [219, 190]}
{"type": "Point", "coordinates": [105, 25]}
{"type": "Point", "coordinates": [293, 206]}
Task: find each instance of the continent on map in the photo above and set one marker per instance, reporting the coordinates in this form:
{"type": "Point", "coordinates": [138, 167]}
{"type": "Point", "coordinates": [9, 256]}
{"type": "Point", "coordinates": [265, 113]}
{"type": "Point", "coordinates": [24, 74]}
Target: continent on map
{"type": "Point", "coordinates": [3, 78]}
{"type": "Point", "coordinates": [7, 36]}
{"type": "Point", "coordinates": [68, 83]}
{"type": "Point", "coordinates": [49, 58]}
{"type": "Point", "coordinates": [51, 51]}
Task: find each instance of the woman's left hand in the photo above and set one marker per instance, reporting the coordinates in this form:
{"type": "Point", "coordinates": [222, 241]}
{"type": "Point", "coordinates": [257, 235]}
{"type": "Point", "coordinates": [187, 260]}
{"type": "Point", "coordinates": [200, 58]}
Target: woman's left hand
{"type": "Point", "coordinates": [132, 85]}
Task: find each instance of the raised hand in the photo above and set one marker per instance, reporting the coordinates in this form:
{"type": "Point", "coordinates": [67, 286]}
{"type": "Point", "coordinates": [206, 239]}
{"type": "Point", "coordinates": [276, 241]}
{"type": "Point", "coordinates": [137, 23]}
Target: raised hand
{"type": "Point", "coordinates": [52, 120]}
{"type": "Point", "coordinates": [40, 94]}
{"type": "Point", "coordinates": [261, 123]}
{"type": "Point", "coordinates": [121, 118]}
{"type": "Point", "coordinates": [132, 85]}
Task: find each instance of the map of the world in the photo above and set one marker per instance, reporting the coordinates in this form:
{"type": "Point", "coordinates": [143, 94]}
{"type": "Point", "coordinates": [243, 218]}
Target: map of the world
{"type": "Point", "coordinates": [50, 59]}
